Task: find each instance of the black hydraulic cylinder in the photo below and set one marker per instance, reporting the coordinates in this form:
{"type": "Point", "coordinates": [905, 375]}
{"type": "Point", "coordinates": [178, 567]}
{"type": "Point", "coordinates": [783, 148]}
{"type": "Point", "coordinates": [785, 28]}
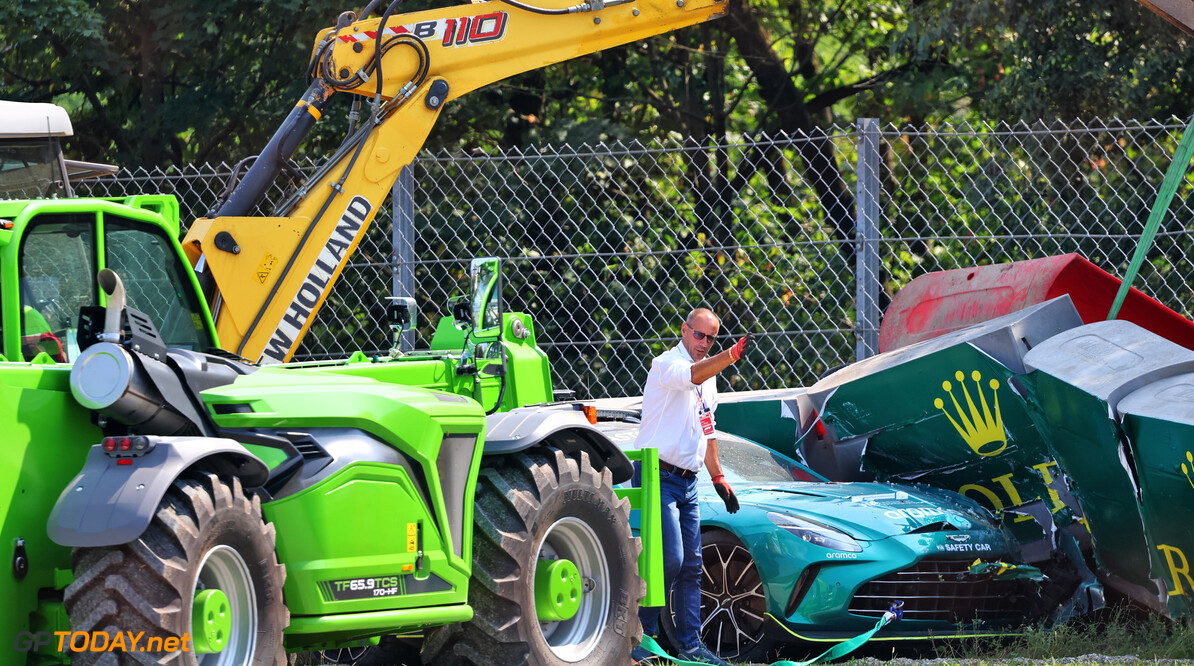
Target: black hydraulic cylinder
{"type": "Point", "coordinates": [281, 146]}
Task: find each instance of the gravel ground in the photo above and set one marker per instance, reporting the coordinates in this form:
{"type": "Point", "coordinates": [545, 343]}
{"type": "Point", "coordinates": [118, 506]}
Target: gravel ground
{"type": "Point", "coordinates": [1084, 660]}
{"type": "Point", "coordinates": [1011, 661]}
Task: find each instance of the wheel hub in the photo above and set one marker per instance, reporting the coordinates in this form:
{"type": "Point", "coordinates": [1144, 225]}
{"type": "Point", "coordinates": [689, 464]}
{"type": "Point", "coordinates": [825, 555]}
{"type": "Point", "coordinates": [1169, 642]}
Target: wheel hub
{"type": "Point", "coordinates": [558, 590]}
{"type": "Point", "coordinates": [211, 621]}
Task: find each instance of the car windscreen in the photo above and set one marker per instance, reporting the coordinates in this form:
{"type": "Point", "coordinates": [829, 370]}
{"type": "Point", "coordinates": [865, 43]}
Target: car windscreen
{"type": "Point", "coordinates": [745, 462]}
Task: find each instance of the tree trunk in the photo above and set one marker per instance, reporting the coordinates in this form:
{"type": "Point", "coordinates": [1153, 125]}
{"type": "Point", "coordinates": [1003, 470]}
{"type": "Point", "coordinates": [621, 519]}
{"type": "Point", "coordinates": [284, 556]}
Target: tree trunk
{"type": "Point", "coordinates": [787, 103]}
{"type": "Point", "coordinates": [152, 86]}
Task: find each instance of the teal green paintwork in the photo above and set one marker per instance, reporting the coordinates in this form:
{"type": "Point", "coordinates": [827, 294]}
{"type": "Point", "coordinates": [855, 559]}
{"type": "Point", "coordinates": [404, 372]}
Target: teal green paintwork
{"type": "Point", "coordinates": [883, 518]}
{"type": "Point", "coordinates": [886, 547]}
{"type": "Point", "coordinates": [759, 416]}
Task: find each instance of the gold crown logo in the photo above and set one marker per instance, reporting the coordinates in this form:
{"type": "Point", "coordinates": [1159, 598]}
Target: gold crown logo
{"type": "Point", "coordinates": [981, 429]}
{"type": "Point", "coordinates": [1187, 471]}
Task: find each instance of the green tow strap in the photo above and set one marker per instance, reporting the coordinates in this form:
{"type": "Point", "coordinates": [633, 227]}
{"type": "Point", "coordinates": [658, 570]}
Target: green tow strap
{"type": "Point", "coordinates": [840, 650]}
{"type": "Point", "coordinates": [1177, 171]}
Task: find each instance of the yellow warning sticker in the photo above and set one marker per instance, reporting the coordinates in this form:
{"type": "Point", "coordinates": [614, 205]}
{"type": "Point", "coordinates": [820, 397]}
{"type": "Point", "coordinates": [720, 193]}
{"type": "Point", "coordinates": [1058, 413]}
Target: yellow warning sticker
{"type": "Point", "coordinates": [412, 537]}
{"type": "Point", "coordinates": [265, 268]}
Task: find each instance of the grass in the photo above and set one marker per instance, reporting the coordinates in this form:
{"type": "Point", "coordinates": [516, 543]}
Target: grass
{"type": "Point", "coordinates": [1111, 632]}
{"type": "Point", "coordinates": [1125, 635]}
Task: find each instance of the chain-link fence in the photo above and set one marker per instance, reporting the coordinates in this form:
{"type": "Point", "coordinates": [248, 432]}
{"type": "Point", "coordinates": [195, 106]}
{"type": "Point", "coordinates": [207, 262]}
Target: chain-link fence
{"type": "Point", "coordinates": [610, 246]}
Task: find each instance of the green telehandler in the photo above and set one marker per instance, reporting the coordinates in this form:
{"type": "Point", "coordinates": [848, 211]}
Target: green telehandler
{"type": "Point", "coordinates": [231, 512]}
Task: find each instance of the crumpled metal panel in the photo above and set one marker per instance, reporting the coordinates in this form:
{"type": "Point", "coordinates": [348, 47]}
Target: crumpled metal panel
{"type": "Point", "coordinates": [944, 412]}
{"type": "Point", "coordinates": [1079, 377]}
{"type": "Point", "coordinates": [1159, 423]}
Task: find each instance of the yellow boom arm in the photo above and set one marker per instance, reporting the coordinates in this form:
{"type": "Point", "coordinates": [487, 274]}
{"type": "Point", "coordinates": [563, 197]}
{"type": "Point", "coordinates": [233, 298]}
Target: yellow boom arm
{"type": "Point", "coordinates": [267, 277]}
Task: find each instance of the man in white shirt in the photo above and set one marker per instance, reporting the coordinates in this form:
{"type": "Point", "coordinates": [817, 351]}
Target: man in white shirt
{"type": "Point", "coordinates": [678, 403]}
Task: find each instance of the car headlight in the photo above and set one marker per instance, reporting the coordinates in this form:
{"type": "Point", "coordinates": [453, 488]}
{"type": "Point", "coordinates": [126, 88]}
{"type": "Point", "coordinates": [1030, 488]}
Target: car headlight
{"type": "Point", "coordinates": [815, 533]}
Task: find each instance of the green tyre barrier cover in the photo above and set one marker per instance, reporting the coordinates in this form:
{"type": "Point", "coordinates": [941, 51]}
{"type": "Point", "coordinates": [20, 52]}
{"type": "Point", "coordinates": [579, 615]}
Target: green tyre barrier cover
{"type": "Point", "coordinates": [945, 412]}
{"type": "Point", "coordinates": [564, 509]}
{"type": "Point", "coordinates": [1079, 379]}
{"type": "Point", "coordinates": [207, 534]}
{"type": "Point", "coordinates": [1159, 422]}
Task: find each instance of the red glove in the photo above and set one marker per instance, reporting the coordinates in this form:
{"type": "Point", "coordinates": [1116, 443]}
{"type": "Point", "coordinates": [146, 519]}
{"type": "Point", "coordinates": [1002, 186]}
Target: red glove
{"type": "Point", "coordinates": [726, 492]}
{"type": "Point", "coordinates": [739, 347]}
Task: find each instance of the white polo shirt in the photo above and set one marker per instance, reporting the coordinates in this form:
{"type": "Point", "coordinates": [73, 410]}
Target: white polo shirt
{"type": "Point", "coordinates": [671, 410]}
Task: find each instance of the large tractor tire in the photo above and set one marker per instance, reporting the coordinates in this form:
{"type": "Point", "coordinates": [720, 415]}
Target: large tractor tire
{"type": "Point", "coordinates": [533, 511]}
{"type": "Point", "coordinates": [206, 535]}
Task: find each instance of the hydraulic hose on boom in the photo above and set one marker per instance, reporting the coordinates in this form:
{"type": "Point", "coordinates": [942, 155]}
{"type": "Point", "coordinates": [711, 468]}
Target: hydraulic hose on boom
{"type": "Point", "coordinates": [266, 277]}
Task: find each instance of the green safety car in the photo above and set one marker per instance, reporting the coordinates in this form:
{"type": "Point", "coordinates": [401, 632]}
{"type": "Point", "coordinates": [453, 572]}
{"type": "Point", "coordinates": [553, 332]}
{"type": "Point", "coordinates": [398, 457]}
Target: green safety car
{"type": "Point", "coordinates": [805, 559]}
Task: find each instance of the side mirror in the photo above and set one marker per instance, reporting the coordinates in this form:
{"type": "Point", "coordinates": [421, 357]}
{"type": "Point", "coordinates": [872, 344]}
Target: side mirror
{"type": "Point", "coordinates": [403, 313]}
{"type": "Point", "coordinates": [485, 275]}
{"type": "Point", "coordinates": [461, 309]}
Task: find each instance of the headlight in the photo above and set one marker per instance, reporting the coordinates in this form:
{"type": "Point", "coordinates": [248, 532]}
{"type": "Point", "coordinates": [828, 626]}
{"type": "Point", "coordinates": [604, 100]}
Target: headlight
{"type": "Point", "coordinates": [815, 533]}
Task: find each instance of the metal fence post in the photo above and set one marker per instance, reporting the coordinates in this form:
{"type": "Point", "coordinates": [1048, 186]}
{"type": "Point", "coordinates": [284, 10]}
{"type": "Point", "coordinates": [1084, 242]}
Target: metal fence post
{"type": "Point", "coordinates": [403, 257]}
{"type": "Point", "coordinates": [866, 273]}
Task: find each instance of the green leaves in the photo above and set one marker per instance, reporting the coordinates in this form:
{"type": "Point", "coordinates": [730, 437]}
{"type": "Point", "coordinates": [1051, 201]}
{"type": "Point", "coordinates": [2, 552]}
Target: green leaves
{"type": "Point", "coordinates": [162, 81]}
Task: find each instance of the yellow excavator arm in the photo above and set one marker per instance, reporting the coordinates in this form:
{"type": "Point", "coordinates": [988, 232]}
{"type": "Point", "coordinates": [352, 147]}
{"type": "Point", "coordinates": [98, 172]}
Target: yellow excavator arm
{"type": "Point", "coordinates": [266, 277]}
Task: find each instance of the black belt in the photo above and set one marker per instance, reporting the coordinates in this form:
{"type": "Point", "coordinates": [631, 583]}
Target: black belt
{"type": "Point", "coordinates": [679, 471]}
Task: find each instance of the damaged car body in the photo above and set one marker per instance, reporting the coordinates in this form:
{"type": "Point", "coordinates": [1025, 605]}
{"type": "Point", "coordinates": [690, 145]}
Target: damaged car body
{"type": "Point", "coordinates": [1079, 432]}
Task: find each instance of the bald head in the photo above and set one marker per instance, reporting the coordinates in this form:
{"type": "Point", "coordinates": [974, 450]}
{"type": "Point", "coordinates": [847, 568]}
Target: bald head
{"type": "Point", "coordinates": [699, 331]}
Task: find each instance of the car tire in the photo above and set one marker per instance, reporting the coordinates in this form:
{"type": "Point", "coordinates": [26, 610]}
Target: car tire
{"type": "Point", "coordinates": [533, 507]}
{"type": "Point", "coordinates": [733, 607]}
{"type": "Point", "coordinates": [206, 534]}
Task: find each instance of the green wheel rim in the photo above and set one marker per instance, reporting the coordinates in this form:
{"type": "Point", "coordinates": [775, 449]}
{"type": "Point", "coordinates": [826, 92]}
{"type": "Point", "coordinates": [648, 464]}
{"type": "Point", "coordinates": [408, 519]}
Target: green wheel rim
{"type": "Point", "coordinates": [211, 621]}
{"type": "Point", "coordinates": [558, 590]}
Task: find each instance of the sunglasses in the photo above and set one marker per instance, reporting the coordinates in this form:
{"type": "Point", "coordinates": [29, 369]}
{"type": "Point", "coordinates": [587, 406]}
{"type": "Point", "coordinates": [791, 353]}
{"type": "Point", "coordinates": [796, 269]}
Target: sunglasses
{"type": "Point", "coordinates": [697, 335]}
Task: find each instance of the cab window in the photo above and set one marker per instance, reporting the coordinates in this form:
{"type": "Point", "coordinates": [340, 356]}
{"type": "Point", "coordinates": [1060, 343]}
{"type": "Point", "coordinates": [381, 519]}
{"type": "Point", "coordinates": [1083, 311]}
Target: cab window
{"type": "Point", "coordinates": [57, 277]}
{"type": "Point", "coordinates": [30, 169]}
{"type": "Point", "coordinates": [155, 280]}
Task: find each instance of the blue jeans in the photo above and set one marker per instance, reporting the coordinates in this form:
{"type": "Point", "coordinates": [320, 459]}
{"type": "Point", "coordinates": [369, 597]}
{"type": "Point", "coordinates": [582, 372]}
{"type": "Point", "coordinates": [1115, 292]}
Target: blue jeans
{"type": "Point", "coordinates": [681, 517]}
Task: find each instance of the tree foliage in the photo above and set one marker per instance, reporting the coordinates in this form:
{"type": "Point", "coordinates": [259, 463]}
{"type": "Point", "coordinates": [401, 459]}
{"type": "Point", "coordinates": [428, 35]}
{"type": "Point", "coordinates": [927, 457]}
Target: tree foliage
{"type": "Point", "coordinates": [162, 81]}
{"type": "Point", "coordinates": [756, 228]}
{"type": "Point", "coordinates": [174, 81]}
{"type": "Point", "coordinates": [1046, 59]}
